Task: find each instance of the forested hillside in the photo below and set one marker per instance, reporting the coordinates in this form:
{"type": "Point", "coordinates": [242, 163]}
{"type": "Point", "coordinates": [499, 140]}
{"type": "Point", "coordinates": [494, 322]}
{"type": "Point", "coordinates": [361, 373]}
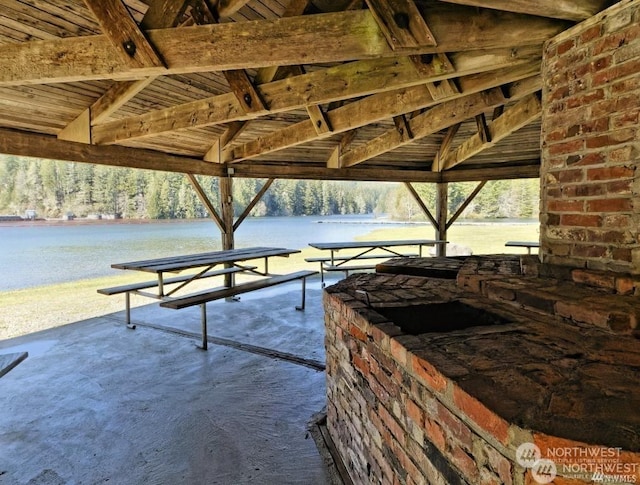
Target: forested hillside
{"type": "Point", "coordinates": [54, 189]}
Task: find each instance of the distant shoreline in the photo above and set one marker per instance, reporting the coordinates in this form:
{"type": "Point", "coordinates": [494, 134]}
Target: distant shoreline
{"type": "Point", "coordinates": [381, 222]}
{"type": "Point", "coordinates": [95, 222]}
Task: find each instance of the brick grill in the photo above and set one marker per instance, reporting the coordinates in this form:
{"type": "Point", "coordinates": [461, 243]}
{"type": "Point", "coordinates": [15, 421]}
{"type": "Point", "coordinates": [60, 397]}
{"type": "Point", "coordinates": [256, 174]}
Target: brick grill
{"type": "Point", "coordinates": [560, 369]}
{"type": "Point", "coordinates": [453, 407]}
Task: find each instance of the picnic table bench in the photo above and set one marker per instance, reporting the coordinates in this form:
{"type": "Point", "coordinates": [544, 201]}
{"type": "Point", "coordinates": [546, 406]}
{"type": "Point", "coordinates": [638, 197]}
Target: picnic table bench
{"type": "Point", "coordinates": [364, 251]}
{"type": "Point", "coordinates": [203, 264]}
{"type": "Point", "coordinates": [523, 244]}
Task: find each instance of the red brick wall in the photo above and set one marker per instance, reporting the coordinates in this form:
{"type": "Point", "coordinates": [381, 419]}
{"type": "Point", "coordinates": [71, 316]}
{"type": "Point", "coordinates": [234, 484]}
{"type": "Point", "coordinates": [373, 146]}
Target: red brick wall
{"type": "Point", "coordinates": [396, 420]}
{"type": "Point", "coordinates": [591, 143]}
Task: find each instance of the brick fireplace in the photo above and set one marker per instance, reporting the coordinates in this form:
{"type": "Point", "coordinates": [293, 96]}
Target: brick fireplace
{"type": "Point", "coordinates": [535, 377]}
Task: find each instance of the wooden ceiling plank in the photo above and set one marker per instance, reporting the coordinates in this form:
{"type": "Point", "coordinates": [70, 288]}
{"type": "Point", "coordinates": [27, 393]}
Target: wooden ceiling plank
{"type": "Point", "coordinates": [401, 23]}
{"type": "Point", "coordinates": [371, 109]}
{"type": "Point", "coordinates": [519, 115]}
{"type": "Point", "coordinates": [437, 118]}
{"type": "Point", "coordinates": [575, 10]}
{"type": "Point", "coordinates": [332, 37]}
{"type": "Point", "coordinates": [125, 35]}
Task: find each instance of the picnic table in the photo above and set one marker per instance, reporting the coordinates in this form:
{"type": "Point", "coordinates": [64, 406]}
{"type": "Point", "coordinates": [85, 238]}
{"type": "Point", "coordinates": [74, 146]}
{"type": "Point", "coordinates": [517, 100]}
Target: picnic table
{"type": "Point", "coordinates": [202, 266]}
{"type": "Point", "coordinates": [523, 244]}
{"type": "Point", "coordinates": [364, 251]}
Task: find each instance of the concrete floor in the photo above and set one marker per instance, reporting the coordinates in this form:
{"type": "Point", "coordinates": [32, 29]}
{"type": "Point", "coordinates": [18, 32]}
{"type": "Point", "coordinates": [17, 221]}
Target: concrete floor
{"type": "Point", "coordinates": [97, 403]}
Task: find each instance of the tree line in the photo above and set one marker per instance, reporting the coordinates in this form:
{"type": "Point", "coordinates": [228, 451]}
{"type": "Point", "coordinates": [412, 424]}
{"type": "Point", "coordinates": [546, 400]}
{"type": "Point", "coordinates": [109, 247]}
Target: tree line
{"type": "Point", "coordinates": [54, 189]}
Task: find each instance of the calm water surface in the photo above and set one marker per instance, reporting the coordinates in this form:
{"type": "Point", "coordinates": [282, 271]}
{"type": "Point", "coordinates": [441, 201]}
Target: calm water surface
{"type": "Point", "coordinates": [34, 255]}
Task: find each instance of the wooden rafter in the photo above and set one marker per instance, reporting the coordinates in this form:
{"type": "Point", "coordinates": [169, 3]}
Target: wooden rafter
{"type": "Point", "coordinates": [445, 146]}
{"type": "Point", "coordinates": [161, 14]}
{"type": "Point", "coordinates": [519, 115]}
{"type": "Point", "coordinates": [340, 82]}
{"type": "Point", "coordinates": [333, 37]}
{"type": "Point", "coordinates": [401, 23]}
{"type": "Point", "coordinates": [345, 140]}
{"type": "Point", "coordinates": [437, 118]}
{"type": "Point", "coordinates": [370, 109]}
{"type": "Point", "coordinates": [124, 34]}
{"type": "Point", "coordinates": [264, 75]}
{"type": "Point", "coordinates": [576, 10]}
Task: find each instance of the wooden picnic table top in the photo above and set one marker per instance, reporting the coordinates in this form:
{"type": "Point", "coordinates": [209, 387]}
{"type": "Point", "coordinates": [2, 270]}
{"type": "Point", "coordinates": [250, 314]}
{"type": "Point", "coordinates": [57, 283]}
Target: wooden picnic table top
{"type": "Point", "coordinates": [189, 261]}
{"type": "Point", "coordinates": [523, 244]}
{"type": "Point", "coordinates": [334, 246]}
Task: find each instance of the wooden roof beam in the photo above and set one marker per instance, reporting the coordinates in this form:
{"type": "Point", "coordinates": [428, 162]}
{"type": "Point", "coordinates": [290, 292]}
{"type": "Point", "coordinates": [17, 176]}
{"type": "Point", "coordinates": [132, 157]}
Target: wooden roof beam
{"type": "Point", "coordinates": [340, 82]}
{"type": "Point", "coordinates": [575, 10]}
{"type": "Point", "coordinates": [25, 144]}
{"type": "Point", "coordinates": [284, 170]}
{"type": "Point", "coordinates": [437, 118]}
{"type": "Point", "coordinates": [331, 37]}
{"type": "Point", "coordinates": [371, 109]}
{"type": "Point", "coordinates": [263, 76]}
{"type": "Point", "coordinates": [519, 115]}
{"type": "Point", "coordinates": [445, 146]}
{"type": "Point", "coordinates": [122, 31]}
{"type": "Point", "coordinates": [160, 14]}
{"type": "Point", "coordinates": [360, 78]}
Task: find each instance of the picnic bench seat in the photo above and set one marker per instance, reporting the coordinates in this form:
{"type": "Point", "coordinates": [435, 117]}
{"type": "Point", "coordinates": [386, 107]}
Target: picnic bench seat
{"type": "Point", "coordinates": [202, 298]}
{"type": "Point", "coordinates": [114, 290]}
{"type": "Point", "coordinates": [323, 260]}
{"type": "Point", "coordinates": [144, 285]}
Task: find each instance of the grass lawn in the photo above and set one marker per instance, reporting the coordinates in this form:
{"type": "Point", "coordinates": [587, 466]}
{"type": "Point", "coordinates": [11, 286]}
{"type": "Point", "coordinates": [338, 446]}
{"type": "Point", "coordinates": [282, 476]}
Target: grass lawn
{"type": "Point", "coordinates": [33, 309]}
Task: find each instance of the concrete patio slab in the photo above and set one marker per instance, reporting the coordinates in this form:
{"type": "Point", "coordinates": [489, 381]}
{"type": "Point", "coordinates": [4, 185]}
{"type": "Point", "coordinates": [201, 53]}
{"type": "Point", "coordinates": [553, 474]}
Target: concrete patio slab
{"type": "Point", "coordinates": [97, 403]}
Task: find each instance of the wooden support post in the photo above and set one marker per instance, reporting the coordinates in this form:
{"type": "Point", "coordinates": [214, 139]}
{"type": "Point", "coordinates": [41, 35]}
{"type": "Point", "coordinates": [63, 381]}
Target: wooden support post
{"type": "Point", "coordinates": [226, 200]}
{"type": "Point", "coordinates": [441, 216]}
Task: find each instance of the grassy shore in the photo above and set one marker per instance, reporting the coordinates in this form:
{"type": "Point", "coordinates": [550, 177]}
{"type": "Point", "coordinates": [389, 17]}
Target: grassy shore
{"type": "Point", "coordinates": [33, 309]}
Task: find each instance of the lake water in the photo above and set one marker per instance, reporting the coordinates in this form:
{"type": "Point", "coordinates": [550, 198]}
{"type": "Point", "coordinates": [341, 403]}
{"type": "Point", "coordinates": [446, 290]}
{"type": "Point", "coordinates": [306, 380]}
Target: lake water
{"type": "Point", "coordinates": [44, 254]}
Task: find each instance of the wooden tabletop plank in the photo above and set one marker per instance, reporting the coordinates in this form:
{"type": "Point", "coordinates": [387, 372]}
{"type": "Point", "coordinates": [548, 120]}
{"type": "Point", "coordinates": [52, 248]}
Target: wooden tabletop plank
{"type": "Point", "coordinates": [179, 263]}
{"type": "Point", "coordinates": [523, 244]}
{"type": "Point", "coordinates": [374, 244]}
{"type": "Point", "coordinates": [9, 361]}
